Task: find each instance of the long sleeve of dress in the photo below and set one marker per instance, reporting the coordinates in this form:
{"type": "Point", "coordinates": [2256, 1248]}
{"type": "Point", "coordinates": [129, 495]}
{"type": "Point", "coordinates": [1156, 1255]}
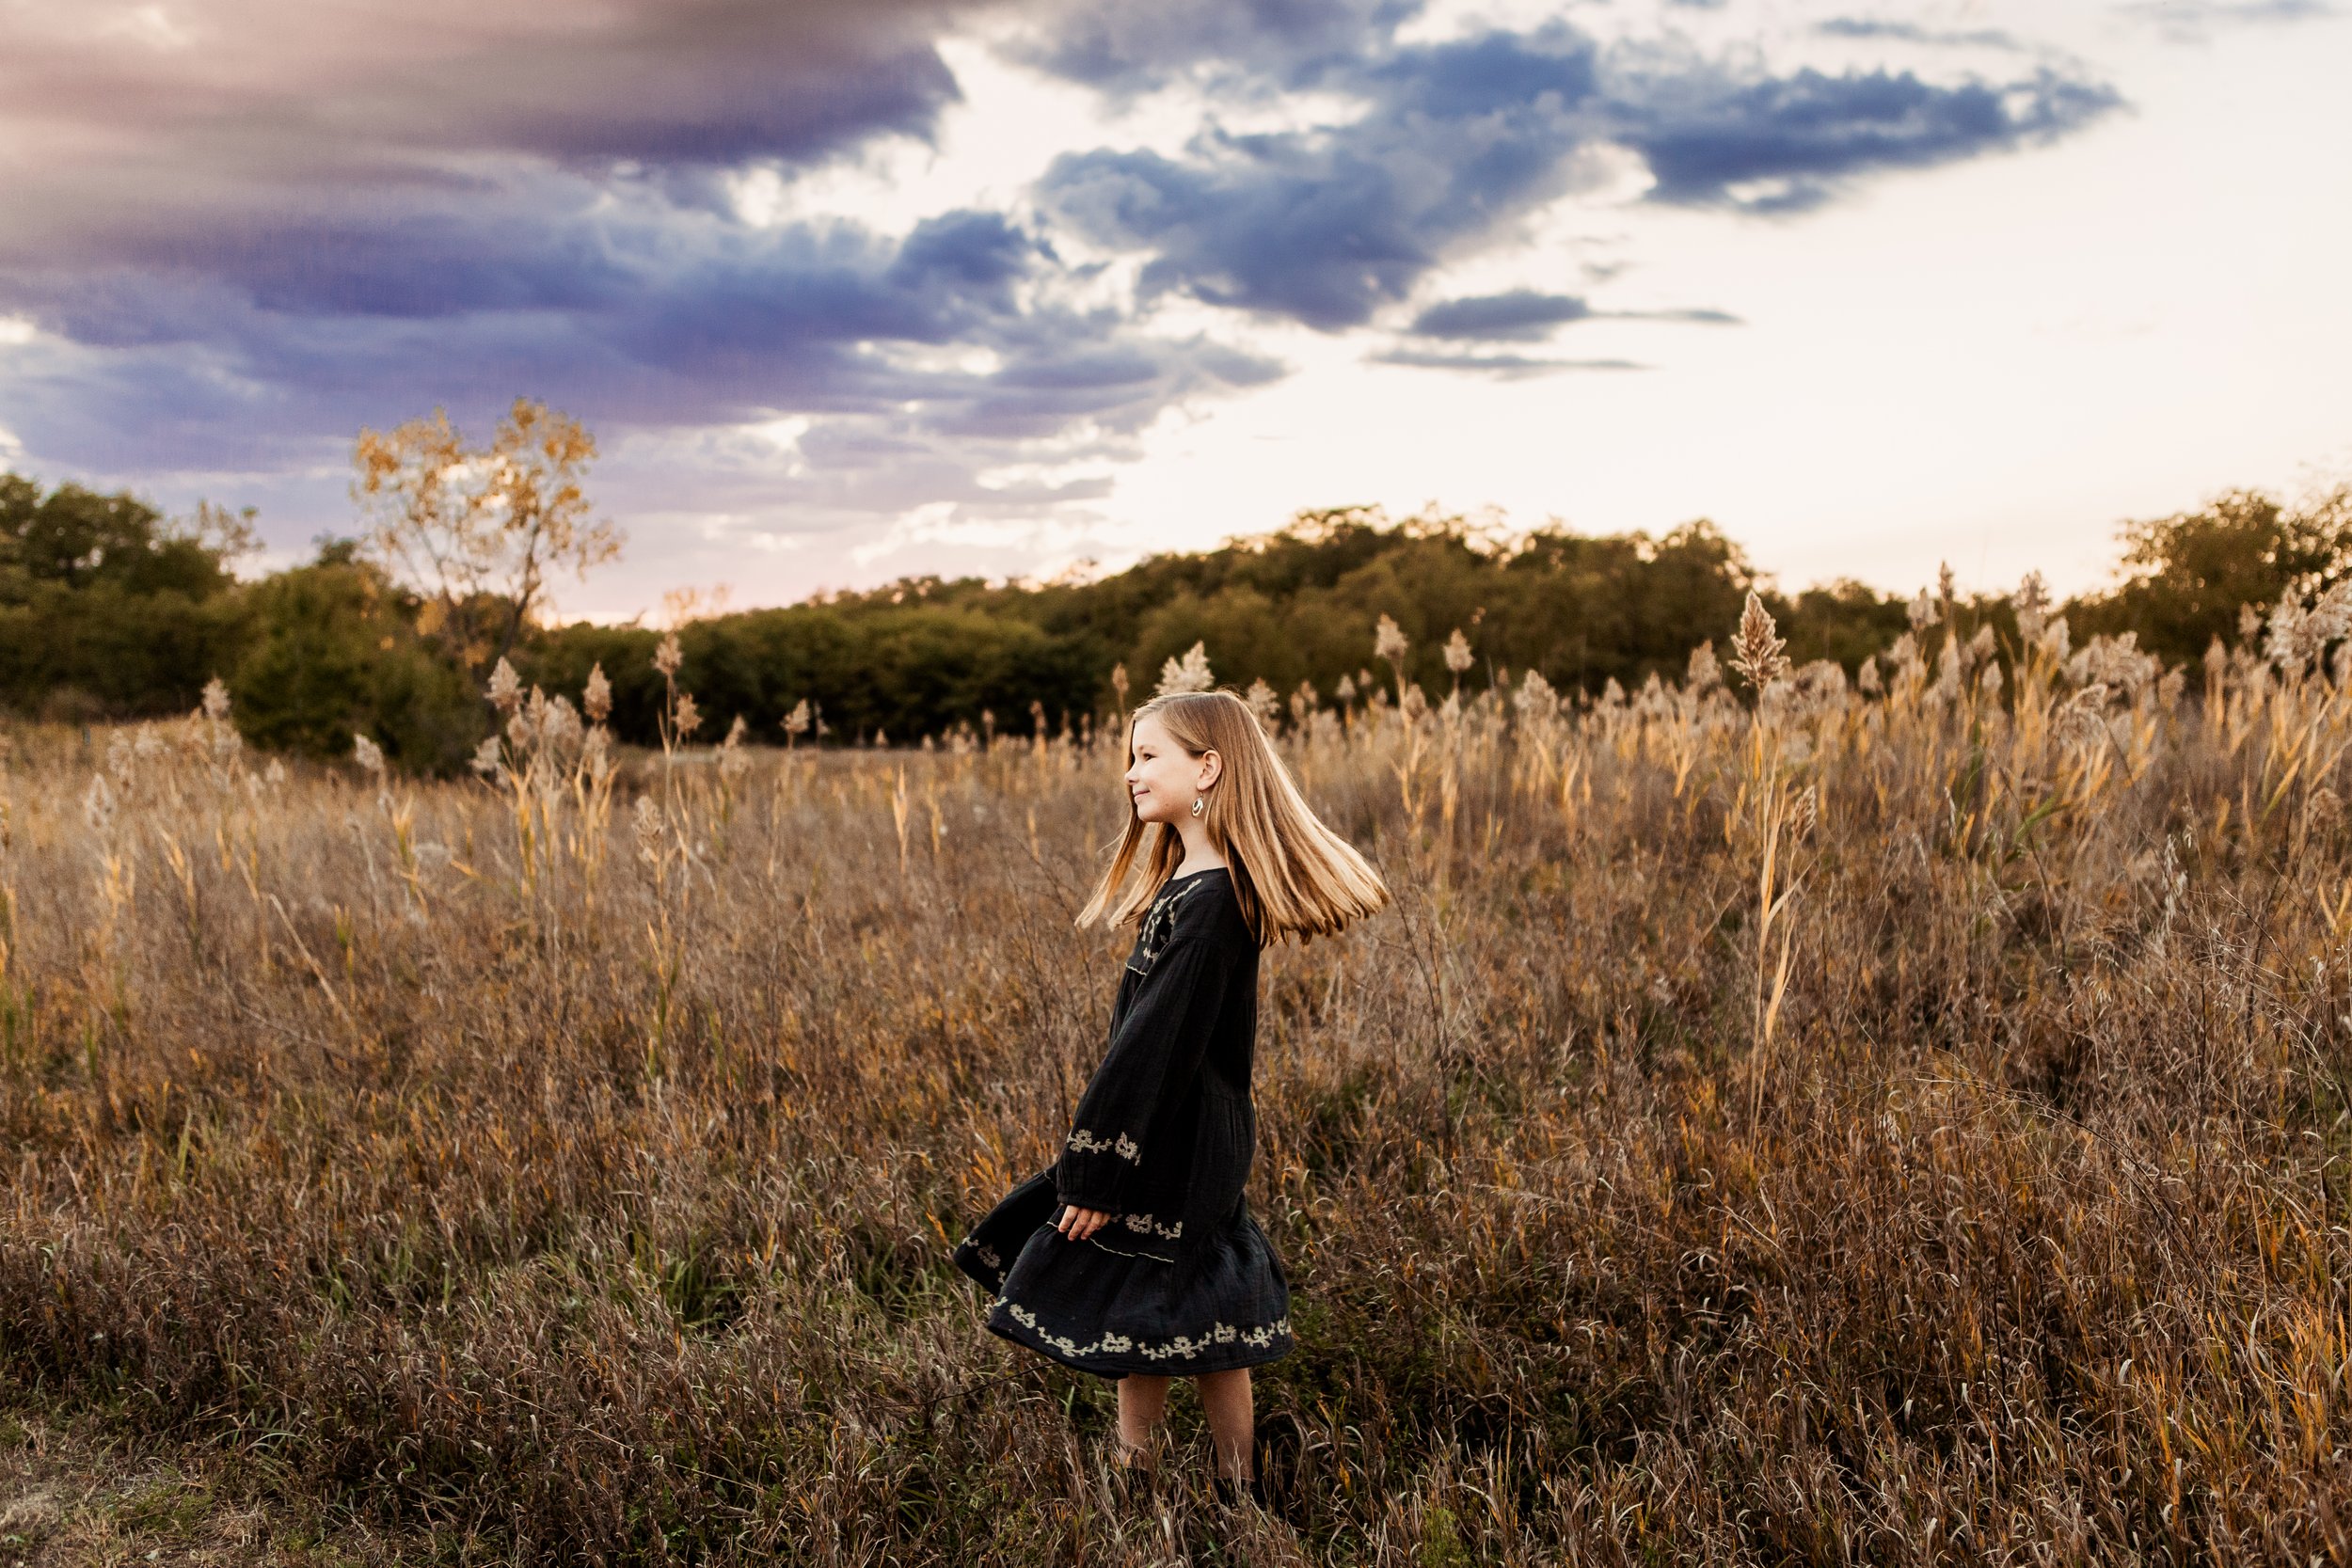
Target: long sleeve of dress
{"type": "Point", "coordinates": [1155, 1052]}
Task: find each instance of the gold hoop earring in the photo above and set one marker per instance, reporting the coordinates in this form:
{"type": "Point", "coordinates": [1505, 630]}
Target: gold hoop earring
{"type": "Point", "coordinates": [1197, 805]}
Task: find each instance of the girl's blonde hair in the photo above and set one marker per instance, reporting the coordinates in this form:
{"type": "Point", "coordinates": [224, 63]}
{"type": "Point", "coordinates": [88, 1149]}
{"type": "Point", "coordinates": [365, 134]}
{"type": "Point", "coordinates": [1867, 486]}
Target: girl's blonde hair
{"type": "Point", "coordinates": [1293, 875]}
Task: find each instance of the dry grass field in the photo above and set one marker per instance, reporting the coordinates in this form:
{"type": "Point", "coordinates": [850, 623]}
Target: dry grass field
{"type": "Point", "coordinates": [1897, 1125]}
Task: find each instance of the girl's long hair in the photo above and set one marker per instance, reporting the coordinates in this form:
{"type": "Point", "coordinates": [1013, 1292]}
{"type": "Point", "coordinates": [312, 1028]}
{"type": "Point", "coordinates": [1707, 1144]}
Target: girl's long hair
{"type": "Point", "coordinates": [1293, 875]}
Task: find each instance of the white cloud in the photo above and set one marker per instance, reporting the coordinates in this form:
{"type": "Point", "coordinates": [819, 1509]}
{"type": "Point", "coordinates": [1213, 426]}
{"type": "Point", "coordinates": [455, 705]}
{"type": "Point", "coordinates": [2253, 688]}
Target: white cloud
{"type": "Point", "coordinates": [152, 25]}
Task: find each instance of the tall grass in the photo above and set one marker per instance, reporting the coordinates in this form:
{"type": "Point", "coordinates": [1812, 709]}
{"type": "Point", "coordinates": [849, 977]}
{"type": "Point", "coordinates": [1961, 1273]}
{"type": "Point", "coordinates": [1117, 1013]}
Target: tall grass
{"type": "Point", "coordinates": [1905, 1123]}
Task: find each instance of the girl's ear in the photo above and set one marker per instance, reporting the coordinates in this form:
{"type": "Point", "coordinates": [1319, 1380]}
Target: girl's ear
{"type": "Point", "coordinates": [1211, 768]}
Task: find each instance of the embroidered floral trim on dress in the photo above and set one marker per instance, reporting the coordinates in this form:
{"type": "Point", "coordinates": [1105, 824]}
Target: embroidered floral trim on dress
{"type": "Point", "coordinates": [1259, 1337]}
{"type": "Point", "coordinates": [1220, 1333]}
{"type": "Point", "coordinates": [986, 1254]}
{"type": "Point", "coordinates": [1109, 1344]}
{"type": "Point", "coordinates": [1122, 1145]}
{"type": "Point", "coordinates": [1147, 1224]}
{"type": "Point", "coordinates": [1159, 924]}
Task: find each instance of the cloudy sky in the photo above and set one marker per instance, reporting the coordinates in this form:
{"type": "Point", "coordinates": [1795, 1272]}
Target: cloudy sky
{"type": "Point", "coordinates": [855, 291]}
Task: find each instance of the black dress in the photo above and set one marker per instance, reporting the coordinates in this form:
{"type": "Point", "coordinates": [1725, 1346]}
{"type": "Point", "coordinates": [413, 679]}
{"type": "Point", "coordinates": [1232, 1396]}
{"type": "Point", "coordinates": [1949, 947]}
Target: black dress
{"type": "Point", "coordinates": [1180, 1280]}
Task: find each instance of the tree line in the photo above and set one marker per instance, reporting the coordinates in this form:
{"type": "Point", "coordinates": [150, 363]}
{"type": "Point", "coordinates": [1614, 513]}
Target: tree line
{"type": "Point", "coordinates": [109, 610]}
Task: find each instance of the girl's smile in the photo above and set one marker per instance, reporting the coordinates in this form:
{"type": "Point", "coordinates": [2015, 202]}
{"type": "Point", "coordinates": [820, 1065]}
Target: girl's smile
{"type": "Point", "coordinates": [1162, 779]}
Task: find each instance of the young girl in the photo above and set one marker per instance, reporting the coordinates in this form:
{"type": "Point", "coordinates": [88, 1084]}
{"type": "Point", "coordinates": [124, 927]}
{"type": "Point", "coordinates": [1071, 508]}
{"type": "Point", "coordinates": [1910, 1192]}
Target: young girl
{"type": "Point", "coordinates": [1135, 1256]}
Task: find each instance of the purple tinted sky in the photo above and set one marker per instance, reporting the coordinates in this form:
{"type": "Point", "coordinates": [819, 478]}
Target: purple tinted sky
{"type": "Point", "coordinates": [852, 292]}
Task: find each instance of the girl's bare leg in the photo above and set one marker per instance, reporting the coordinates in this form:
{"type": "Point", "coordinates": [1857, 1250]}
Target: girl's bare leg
{"type": "Point", "coordinates": [1225, 1400]}
{"type": "Point", "coordinates": [1142, 1401]}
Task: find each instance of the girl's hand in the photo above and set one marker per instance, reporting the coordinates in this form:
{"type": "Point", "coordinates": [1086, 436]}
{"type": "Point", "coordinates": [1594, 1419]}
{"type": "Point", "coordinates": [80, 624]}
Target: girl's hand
{"type": "Point", "coordinates": [1079, 1224]}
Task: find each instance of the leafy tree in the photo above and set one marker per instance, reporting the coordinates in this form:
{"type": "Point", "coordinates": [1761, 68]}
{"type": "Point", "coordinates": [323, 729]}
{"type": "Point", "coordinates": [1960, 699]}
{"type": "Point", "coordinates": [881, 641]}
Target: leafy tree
{"type": "Point", "coordinates": [2184, 576]}
{"type": "Point", "coordinates": [905, 669]}
{"type": "Point", "coordinates": [334, 652]}
{"type": "Point", "coordinates": [1845, 621]}
{"type": "Point", "coordinates": [921, 655]}
{"type": "Point", "coordinates": [108, 608]}
{"type": "Point", "coordinates": [558, 660]}
{"type": "Point", "coordinates": [479, 530]}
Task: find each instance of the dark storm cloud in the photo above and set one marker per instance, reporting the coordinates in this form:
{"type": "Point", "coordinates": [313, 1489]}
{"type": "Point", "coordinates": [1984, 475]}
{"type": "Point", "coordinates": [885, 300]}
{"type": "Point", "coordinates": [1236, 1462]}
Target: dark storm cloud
{"type": "Point", "coordinates": [1128, 46]}
{"type": "Point", "coordinates": [645, 319]}
{"type": "Point", "coordinates": [709, 81]}
{"type": "Point", "coordinates": [1328, 225]}
{"type": "Point", "coordinates": [247, 227]}
{"type": "Point", "coordinates": [1526, 316]}
{"type": "Point", "coordinates": [1456, 142]}
{"type": "Point", "coordinates": [1911, 32]}
{"type": "Point", "coordinates": [277, 147]}
{"type": "Point", "coordinates": [1803, 133]}
{"type": "Point", "coordinates": [1522, 315]}
{"type": "Point", "coordinates": [1504, 366]}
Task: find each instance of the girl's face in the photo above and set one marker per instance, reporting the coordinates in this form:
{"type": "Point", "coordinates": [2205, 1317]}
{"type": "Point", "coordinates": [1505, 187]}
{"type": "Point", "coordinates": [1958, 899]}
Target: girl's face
{"type": "Point", "coordinates": [1163, 778]}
